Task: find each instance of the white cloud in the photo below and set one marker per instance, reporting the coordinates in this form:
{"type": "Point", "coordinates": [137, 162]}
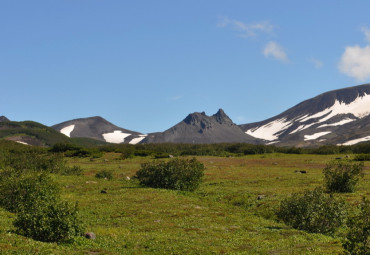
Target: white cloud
{"type": "Point", "coordinates": [247, 30]}
{"type": "Point", "coordinates": [275, 50]}
{"type": "Point", "coordinates": [355, 62]}
{"type": "Point", "coordinates": [366, 31]}
{"type": "Point", "coordinates": [317, 63]}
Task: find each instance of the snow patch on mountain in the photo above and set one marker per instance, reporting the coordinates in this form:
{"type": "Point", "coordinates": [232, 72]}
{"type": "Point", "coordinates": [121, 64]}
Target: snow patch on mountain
{"type": "Point", "coordinates": [342, 122]}
{"type": "Point", "coordinates": [315, 136]}
{"type": "Point", "coordinates": [137, 139]}
{"type": "Point", "coordinates": [268, 131]}
{"type": "Point", "coordinates": [358, 140]}
{"type": "Point", "coordinates": [302, 127]}
{"type": "Point", "coordinates": [67, 130]}
{"type": "Point", "coordinates": [22, 142]}
{"type": "Point", "coordinates": [359, 108]}
{"type": "Point", "coordinates": [115, 137]}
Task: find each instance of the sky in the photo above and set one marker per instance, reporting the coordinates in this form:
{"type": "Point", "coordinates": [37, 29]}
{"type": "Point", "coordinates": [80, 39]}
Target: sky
{"type": "Point", "coordinates": [145, 65]}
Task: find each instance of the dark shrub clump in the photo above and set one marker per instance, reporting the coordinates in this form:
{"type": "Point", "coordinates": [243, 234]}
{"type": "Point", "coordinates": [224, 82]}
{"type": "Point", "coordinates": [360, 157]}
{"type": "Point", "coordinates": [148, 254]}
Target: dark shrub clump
{"type": "Point", "coordinates": [342, 176]}
{"type": "Point", "coordinates": [357, 239]}
{"type": "Point", "coordinates": [313, 211]}
{"type": "Point", "coordinates": [49, 222]}
{"type": "Point", "coordinates": [18, 191]}
{"type": "Point", "coordinates": [104, 174]}
{"type": "Point", "coordinates": [178, 174]}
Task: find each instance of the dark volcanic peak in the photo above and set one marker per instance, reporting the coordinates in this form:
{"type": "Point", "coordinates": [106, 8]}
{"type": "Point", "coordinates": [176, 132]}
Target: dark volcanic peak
{"type": "Point", "coordinates": [3, 118]}
{"type": "Point", "coordinates": [200, 128]}
{"type": "Point", "coordinates": [324, 119]}
{"type": "Point", "coordinates": [222, 118]}
{"type": "Point", "coordinates": [98, 128]}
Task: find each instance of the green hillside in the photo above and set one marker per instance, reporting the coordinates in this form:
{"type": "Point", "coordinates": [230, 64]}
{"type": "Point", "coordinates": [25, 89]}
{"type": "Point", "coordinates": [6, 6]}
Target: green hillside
{"type": "Point", "coordinates": [31, 132]}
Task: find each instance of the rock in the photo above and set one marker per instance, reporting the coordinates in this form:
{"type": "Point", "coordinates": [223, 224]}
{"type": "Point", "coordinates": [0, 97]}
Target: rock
{"type": "Point", "coordinates": [300, 171]}
{"type": "Point", "coordinates": [90, 235]}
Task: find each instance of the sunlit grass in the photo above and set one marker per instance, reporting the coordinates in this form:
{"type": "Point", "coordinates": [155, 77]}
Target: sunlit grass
{"type": "Point", "coordinates": [223, 216]}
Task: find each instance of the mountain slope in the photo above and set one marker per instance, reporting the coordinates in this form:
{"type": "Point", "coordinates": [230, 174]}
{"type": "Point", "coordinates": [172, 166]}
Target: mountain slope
{"type": "Point", "coordinates": [200, 128]}
{"type": "Point", "coordinates": [334, 117]}
{"type": "Point", "coordinates": [99, 129]}
{"type": "Point", "coordinates": [31, 133]}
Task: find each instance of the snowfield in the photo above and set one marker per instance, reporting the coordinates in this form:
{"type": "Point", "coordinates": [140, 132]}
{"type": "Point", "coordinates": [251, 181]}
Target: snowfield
{"type": "Point", "coordinates": [342, 122]}
{"type": "Point", "coordinates": [315, 136]}
{"type": "Point", "coordinates": [22, 142]}
{"type": "Point", "coordinates": [67, 130]}
{"type": "Point", "coordinates": [359, 108]}
{"type": "Point", "coordinates": [137, 140]}
{"type": "Point", "coordinates": [268, 132]}
{"type": "Point", "coordinates": [115, 137]}
{"type": "Point", "coordinates": [358, 140]}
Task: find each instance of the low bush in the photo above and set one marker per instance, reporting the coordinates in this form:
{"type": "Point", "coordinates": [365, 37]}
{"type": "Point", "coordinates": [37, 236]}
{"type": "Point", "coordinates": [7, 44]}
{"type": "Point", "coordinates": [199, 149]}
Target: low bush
{"type": "Point", "coordinates": [357, 239]}
{"type": "Point", "coordinates": [74, 170]}
{"type": "Point", "coordinates": [362, 157]}
{"type": "Point", "coordinates": [18, 191]}
{"type": "Point", "coordinates": [178, 174]}
{"type": "Point", "coordinates": [49, 221]}
{"type": "Point", "coordinates": [313, 211]}
{"type": "Point", "coordinates": [104, 174]}
{"type": "Point", "coordinates": [342, 175]}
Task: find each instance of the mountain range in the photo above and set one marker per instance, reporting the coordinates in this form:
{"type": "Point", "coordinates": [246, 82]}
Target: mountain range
{"type": "Point", "coordinates": [340, 117]}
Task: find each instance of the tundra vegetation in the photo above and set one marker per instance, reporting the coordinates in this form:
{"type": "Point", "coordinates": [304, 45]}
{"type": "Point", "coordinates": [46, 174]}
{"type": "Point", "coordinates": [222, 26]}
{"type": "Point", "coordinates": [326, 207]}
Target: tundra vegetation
{"type": "Point", "coordinates": [236, 206]}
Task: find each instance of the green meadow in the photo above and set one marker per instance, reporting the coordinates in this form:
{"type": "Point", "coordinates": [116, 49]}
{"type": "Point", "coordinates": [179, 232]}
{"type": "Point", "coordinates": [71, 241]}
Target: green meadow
{"type": "Point", "coordinates": [232, 212]}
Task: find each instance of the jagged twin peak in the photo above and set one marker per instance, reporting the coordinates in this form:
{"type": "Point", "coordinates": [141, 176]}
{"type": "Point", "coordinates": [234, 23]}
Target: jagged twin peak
{"type": "Point", "coordinates": [200, 128]}
{"type": "Point", "coordinates": [335, 117]}
{"type": "Point", "coordinates": [99, 129]}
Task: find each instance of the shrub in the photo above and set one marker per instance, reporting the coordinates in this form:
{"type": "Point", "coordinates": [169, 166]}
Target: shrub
{"type": "Point", "coordinates": [357, 239]}
{"type": "Point", "coordinates": [178, 174]}
{"type": "Point", "coordinates": [49, 221]}
{"type": "Point", "coordinates": [342, 175]}
{"type": "Point", "coordinates": [104, 174]}
{"type": "Point", "coordinates": [18, 191]}
{"type": "Point", "coordinates": [362, 157]}
{"type": "Point", "coordinates": [313, 211]}
{"type": "Point", "coordinates": [74, 170]}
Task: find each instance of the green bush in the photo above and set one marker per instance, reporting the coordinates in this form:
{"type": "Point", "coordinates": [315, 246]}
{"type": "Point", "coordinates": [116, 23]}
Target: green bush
{"type": "Point", "coordinates": [74, 170]}
{"type": "Point", "coordinates": [342, 175]}
{"type": "Point", "coordinates": [357, 239]}
{"type": "Point", "coordinates": [18, 191]}
{"type": "Point", "coordinates": [104, 174]}
{"type": "Point", "coordinates": [362, 157]}
{"type": "Point", "coordinates": [178, 174]}
{"type": "Point", "coordinates": [49, 221]}
{"type": "Point", "coordinates": [313, 211]}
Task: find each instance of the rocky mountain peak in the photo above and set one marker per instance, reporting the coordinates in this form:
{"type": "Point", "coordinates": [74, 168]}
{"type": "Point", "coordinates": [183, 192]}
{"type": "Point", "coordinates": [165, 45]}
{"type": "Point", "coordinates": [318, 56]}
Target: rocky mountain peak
{"type": "Point", "coordinates": [222, 118]}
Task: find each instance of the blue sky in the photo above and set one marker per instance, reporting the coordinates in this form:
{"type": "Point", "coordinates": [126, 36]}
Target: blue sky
{"type": "Point", "coordinates": [145, 65]}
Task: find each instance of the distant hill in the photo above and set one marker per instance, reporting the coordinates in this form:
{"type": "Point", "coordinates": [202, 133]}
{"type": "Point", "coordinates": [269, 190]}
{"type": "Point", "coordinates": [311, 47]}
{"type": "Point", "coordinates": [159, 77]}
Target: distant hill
{"type": "Point", "coordinates": [200, 128]}
{"type": "Point", "coordinates": [99, 129]}
{"type": "Point", "coordinates": [3, 118]}
{"type": "Point", "coordinates": [336, 117]}
{"type": "Point", "coordinates": [31, 133]}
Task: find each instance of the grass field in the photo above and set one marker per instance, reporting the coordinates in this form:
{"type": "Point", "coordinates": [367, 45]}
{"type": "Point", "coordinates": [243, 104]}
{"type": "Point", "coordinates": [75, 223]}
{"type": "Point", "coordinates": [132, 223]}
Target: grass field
{"type": "Point", "coordinates": [223, 216]}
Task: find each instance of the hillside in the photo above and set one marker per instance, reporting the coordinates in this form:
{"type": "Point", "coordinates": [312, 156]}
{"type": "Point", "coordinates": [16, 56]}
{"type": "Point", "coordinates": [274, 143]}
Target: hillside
{"type": "Point", "coordinates": [31, 133]}
{"type": "Point", "coordinates": [200, 128]}
{"type": "Point", "coordinates": [335, 117]}
{"type": "Point", "coordinates": [99, 129]}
